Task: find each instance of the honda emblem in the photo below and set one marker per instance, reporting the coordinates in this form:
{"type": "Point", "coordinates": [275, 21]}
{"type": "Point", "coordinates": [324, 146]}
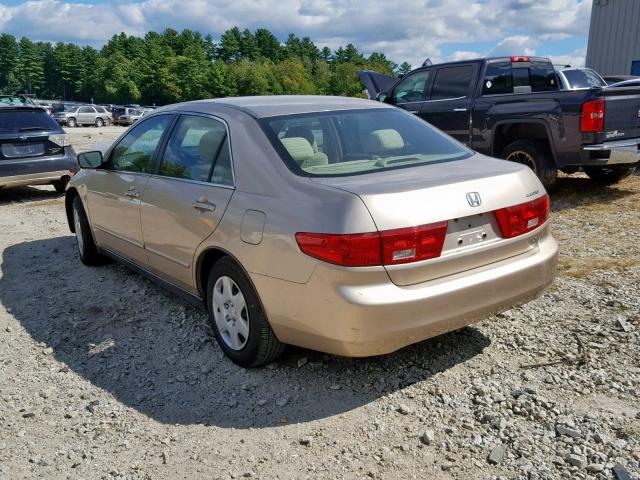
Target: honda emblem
{"type": "Point", "coordinates": [474, 199]}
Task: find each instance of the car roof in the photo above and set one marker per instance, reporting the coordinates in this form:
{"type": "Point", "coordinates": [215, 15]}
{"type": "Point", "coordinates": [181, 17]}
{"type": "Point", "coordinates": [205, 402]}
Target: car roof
{"type": "Point", "coordinates": [275, 105]}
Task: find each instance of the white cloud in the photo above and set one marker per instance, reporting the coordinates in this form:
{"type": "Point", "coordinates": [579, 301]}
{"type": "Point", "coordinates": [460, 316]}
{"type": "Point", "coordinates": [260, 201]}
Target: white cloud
{"type": "Point", "coordinates": [516, 45]}
{"type": "Point", "coordinates": [575, 58]}
{"type": "Point", "coordinates": [413, 33]}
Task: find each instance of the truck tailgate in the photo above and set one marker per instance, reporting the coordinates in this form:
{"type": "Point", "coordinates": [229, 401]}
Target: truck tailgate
{"type": "Point", "coordinates": [622, 113]}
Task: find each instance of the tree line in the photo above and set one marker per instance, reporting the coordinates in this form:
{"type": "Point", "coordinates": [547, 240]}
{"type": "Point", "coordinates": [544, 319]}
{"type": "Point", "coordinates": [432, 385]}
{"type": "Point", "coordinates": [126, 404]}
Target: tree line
{"type": "Point", "coordinates": [173, 66]}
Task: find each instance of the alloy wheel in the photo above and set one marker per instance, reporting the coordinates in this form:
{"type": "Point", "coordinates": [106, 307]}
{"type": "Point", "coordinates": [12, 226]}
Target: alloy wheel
{"type": "Point", "coordinates": [230, 313]}
{"type": "Point", "coordinates": [520, 156]}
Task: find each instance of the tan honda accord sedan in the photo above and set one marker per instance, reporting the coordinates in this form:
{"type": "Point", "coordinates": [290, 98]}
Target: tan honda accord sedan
{"type": "Point", "coordinates": [336, 224]}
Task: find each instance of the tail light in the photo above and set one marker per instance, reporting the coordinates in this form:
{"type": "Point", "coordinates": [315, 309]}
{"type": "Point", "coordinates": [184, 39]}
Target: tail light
{"type": "Point", "coordinates": [523, 218]}
{"type": "Point", "coordinates": [519, 59]}
{"type": "Point", "coordinates": [389, 247]}
{"type": "Point", "coordinates": [592, 117]}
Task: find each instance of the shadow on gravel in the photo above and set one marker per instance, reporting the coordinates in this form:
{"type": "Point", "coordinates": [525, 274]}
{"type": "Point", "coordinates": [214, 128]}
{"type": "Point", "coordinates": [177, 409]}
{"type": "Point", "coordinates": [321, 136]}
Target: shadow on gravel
{"type": "Point", "coordinates": [573, 192]}
{"type": "Point", "coordinates": [26, 194]}
{"type": "Point", "coordinates": [155, 354]}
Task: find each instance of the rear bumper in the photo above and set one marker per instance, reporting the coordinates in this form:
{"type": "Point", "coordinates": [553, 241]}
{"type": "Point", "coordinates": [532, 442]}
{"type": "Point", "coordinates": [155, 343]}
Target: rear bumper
{"type": "Point", "coordinates": [333, 316]}
{"type": "Point", "coordinates": [619, 152]}
{"type": "Point", "coordinates": [37, 171]}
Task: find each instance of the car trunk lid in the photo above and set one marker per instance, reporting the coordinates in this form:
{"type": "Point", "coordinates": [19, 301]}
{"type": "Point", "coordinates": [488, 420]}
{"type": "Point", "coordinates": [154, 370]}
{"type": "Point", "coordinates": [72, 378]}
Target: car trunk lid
{"type": "Point", "coordinates": [463, 193]}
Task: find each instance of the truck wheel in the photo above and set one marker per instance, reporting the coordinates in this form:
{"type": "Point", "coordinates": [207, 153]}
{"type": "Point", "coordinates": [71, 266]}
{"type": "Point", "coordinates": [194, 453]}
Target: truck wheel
{"type": "Point", "coordinates": [607, 175]}
{"type": "Point", "coordinates": [71, 123]}
{"type": "Point", "coordinates": [239, 322]}
{"type": "Point", "coordinates": [99, 122]}
{"type": "Point", "coordinates": [535, 155]}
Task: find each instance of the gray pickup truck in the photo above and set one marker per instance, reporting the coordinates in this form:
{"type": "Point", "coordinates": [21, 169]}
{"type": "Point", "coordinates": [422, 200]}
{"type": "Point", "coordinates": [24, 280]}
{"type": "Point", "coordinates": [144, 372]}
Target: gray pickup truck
{"type": "Point", "coordinates": [34, 150]}
{"type": "Point", "coordinates": [512, 108]}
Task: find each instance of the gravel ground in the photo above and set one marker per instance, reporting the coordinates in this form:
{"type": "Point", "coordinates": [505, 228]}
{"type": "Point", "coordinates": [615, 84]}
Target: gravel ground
{"type": "Point", "coordinates": [104, 375]}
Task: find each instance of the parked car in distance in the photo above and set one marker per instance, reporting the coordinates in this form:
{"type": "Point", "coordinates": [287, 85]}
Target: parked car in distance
{"type": "Point", "coordinates": [571, 78]}
{"type": "Point", "coordinates": [337, 224]}
{"type": "Point", "coordinates": [634, 82]}
{"type": "Point", "coordinates": [619, 78]}
{"type": "Point", "coordinates": [74, 115]}
{"type": "Point", "coordinates": [131, 116]}
{"type": "Point", "coordinates": [512, 108]}
{"type": "Point", "coordinates": [34, 150]}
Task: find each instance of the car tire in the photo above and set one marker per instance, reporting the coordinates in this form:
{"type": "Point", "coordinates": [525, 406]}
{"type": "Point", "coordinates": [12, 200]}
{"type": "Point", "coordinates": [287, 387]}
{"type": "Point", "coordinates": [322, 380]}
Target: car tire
{"type": "Point", "coordinates": [61, 185]}
{"type": "Point", "coordinates": [237, 317]}
{"type": "Point", "coordinates": [87, 249]}
{"type": "Point", "coordinates": [535, 155]}
{"type": "Point", "coordinates": [99, 122]}
{"type": "Point", "coordinates": [71, 123]}
{"type": "Point", "coordinates": [607, 175]}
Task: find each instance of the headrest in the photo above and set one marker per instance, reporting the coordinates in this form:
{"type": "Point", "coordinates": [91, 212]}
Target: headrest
{"type": "Point", "coordinates": [385, 140]}
{"type": "Point", "coordinates": [299, 148]}
{"type": "Point", "coordinates": [209, 144]}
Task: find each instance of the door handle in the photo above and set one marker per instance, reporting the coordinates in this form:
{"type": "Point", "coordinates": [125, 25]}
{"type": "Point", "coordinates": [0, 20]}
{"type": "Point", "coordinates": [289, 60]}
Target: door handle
{"type": "Point", "coordinates": [204, 204]}
{"type": "Point", "coordinates": [459, 109]}
{"type": "Point", "coordinates": [132, 193]}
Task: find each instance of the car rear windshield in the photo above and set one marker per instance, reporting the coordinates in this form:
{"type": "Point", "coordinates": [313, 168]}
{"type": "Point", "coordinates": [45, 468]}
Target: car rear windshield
{"type": "Point", "coordinates": [15, 121]}
{"type": "Point", "coordinates": [358, 141]}
{"type": "Point", "coordinates": [583, 79]}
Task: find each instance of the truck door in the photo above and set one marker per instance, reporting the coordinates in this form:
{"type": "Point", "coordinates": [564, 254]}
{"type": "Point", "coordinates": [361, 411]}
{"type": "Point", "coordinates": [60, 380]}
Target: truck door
{"type": "Point", "coordinates": [448, 104]}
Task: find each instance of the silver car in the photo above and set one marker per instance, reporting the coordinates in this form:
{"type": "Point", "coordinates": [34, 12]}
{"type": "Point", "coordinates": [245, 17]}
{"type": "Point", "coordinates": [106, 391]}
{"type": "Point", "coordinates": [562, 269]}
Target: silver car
{"type": "Point", "coordinates": [336, 224]}
{"type": "Point", "coordinates": [74, 115]}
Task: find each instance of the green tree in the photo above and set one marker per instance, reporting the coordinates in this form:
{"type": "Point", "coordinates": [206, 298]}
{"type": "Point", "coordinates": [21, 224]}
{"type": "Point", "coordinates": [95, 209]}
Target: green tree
{"type": "Point", "coordinates": [8, 58]}
{"type": "Point", "coordinates": [230, 45]}
{"type": "Point", "coordinates": [30, 66]}
{"type": "Point", "coordinates": [268, 45]}
{"type": "Point", "coordinates": [404, 68]}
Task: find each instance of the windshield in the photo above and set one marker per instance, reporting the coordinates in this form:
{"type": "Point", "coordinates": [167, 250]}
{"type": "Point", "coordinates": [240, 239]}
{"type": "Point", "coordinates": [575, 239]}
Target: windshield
{"type": "Point", "coordinates": [358, 141]}
{"type": "Point", "coordinates": [583, 78]}
{"type": "Point", "coordinates": [14, 121]}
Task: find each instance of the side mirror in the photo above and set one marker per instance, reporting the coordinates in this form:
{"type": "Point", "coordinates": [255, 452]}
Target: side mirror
{"type": "Point", "coordinates": [90, 159]}
{"type": "Point", "coordinates": [381, 97]}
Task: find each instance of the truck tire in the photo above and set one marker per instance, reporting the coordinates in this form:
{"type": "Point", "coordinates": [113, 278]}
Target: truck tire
{"type": "Point", "coordinates": [608, 176]}
{"type": "Point", "coordinates": [71, 122]}
{"type": "Point", "coordinates": [99, 122]}
{"type": "Point", "coordinates": [535, 155]}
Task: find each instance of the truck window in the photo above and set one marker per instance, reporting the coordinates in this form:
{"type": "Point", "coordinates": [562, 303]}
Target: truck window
{"type": "Point", "coordinates": [452, 82]}
{"type": "Point", "coordinates": [542, 77]}
{"type": "Point", "coordinates": [497, 79]}
{"type": "Point", "coordinates": [501, 77]}
{"type": "Point", "coordinates": [411, 89]}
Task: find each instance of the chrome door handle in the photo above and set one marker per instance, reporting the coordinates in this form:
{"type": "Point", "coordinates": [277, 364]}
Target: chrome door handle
{"type": "Point", "coordinates": [204, 205]}
{"type": "Point", "coordinates": [459, 109]}
{"type": "Point", "coordinates": [132, 193]}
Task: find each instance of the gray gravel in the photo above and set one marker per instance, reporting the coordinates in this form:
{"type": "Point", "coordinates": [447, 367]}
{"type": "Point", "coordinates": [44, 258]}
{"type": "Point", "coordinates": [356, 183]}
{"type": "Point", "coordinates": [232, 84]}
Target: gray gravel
{"type": "Point", "coordinates": [105, 375]}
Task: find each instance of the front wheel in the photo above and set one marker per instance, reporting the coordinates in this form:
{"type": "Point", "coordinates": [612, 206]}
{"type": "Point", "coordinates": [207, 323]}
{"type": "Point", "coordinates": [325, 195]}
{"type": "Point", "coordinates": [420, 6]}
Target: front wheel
{"type": "Point", "coordinates": [99, 122]}
{"type": "Point", "coordinates": [87, 249]}
{"type": "Point", "coordinates": [236, 315]}
{"type": "Point", "coordinates": [608, 176]}
{"type": "Point", "coordinates": [535, 155]}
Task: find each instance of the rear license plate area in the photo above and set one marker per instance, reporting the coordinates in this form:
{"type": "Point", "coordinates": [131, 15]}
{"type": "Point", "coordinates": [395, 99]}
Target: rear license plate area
{"type": "Point", "coordinates": [18, 150]}
{"type": "Point", "coordinates": [470, 231]}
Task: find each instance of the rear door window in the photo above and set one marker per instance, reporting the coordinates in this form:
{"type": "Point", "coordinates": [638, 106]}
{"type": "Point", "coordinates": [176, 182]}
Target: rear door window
{"type": "Point", "coordinates": [498, 79]}
{"type": "Point", "coordinates": [198, 150]}
{"type": "Point", "coordinates": [542, 77]}
{"type": "Point", "coordinates": [452, 82]}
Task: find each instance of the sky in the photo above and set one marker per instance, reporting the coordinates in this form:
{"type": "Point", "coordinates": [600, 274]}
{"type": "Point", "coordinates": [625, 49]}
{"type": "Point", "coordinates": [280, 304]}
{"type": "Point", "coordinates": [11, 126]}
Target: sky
{"type": "Point", "coordinates": [412, 30]}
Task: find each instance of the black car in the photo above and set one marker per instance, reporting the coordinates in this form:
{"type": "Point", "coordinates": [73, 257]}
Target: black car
{"type": "Point", "coordinates": [34, 150]}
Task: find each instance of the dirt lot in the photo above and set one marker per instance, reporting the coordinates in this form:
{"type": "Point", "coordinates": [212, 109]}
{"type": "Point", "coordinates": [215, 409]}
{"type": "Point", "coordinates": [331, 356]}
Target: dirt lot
{"type": "Point", "coordinates": [105, 375]}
